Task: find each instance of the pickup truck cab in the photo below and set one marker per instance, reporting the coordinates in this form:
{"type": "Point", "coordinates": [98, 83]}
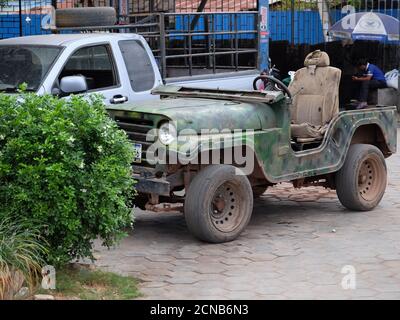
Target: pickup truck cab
{"type": "Point", "coordinates": [120, 66]}
{"type": "Point", "coordinates": [208, 153]}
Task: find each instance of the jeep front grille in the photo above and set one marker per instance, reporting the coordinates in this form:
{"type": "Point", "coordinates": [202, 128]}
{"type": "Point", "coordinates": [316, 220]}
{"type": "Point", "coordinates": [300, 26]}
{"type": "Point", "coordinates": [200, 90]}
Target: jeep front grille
{"type": "Point", "coordinates": [137, 130]}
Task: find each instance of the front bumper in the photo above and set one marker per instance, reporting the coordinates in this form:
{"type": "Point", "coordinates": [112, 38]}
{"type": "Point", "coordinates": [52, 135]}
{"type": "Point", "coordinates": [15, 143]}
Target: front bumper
{"type": "Point", "coordinates": [152, 185]}
{"type": "Point", "coordinates": [146, 182]}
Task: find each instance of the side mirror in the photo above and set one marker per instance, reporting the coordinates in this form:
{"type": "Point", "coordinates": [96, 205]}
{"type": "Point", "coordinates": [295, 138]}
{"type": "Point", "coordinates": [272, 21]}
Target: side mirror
{"type": "Point", "coordinates": [73, 84]}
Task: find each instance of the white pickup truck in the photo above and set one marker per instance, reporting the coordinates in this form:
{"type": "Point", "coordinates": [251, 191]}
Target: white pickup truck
{"type": "Point", "coordinates": [120, 66]}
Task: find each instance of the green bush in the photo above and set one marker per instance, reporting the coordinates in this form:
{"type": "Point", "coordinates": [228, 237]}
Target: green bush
{"type": "Point", "coordinates": [67, 165]}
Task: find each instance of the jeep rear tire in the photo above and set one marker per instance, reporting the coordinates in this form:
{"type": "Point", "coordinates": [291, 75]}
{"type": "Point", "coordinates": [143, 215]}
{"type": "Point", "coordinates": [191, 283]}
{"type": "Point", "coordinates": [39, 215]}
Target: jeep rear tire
{"type": "Point", "coordinates": [218, 204]}
{"type": "Point", "coordinates": [85, 17]}
{"type": "Point", "coordinates": [361, 183]}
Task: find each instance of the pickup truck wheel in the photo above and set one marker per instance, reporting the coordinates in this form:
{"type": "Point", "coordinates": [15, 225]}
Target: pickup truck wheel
{"type": "Point", "coordinates": [86, 17]}
{"type": "Point", "coordinates": [218, 204]}
{"type": "Point", "coordinates": [361, 183]}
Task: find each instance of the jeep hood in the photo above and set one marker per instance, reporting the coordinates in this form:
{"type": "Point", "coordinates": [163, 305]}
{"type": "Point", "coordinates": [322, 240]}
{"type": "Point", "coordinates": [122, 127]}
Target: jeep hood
{"type": "Point", "coordinates": [199, 113]}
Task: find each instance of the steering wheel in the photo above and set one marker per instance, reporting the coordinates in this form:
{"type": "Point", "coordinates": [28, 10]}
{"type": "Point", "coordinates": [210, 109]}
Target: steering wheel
{"type": "Point", "coordinates": [277, 84]}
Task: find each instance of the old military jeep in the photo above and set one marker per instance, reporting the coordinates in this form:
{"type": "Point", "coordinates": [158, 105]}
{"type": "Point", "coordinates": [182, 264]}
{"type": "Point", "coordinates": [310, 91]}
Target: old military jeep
{"type": "Point", "coordinates": [208, 153]}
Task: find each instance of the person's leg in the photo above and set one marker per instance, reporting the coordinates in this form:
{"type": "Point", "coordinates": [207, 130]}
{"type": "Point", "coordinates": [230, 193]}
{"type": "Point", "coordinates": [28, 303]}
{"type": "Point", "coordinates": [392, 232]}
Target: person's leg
{"type": "Point", "coordinates": [364, 90]}
{"type": "Point", "coordinates": [356, 87]}
{"type": "Point", "coordinates": [375, 84]}
{"type": "Point", "coordinates": [366, 86]}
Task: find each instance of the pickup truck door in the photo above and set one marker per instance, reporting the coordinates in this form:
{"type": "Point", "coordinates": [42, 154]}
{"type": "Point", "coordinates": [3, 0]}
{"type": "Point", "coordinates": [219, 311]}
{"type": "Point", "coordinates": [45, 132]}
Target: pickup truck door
{"type": "Point", "coordinates": [140, 67]}
{"type": "Point", "coordinates": [97, 64]}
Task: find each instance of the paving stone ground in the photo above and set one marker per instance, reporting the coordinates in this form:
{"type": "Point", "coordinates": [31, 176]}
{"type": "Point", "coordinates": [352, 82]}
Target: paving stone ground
{"type": "Point", "coordinates": [295, 247]}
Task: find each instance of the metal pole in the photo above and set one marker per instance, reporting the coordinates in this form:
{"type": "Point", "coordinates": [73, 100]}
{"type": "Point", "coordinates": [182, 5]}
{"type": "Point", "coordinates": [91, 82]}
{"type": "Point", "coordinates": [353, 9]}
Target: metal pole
{"type": "Point", "coordinates": [151, 6]}
{"type": "Point", "coordinates": [323, 8]}
{"type": "Point", "coordinates": [20, 18]}
{"type": "Point", "coordinates": [292, 21]}
{"type": "Point", "coordinates": [163, 46]}
{"type": "Point", "coordinates": [236, 43]}
{"type": "Point", "coordinates": [196, 18]}
{"type": "Point", "coordinates": [263, 34]}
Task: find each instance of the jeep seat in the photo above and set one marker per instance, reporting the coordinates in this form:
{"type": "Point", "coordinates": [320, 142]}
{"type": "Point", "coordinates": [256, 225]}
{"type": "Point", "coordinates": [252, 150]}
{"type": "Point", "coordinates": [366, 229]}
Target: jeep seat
{"type": "Point", "coordinates": [315, 91]}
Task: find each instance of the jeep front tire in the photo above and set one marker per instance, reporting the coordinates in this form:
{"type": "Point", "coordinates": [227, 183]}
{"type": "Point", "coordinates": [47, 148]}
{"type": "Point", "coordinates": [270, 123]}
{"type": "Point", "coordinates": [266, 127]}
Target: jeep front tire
{"type": "Point", "coordinates": [218, 204]}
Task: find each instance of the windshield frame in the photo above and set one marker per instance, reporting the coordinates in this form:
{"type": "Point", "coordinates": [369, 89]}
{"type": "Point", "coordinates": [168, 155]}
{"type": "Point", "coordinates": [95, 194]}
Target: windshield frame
{"type": "Point", "coordinates": [62, 48]}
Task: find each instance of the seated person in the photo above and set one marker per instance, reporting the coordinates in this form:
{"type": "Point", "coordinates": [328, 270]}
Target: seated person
{"type": "Point", "coordinates": [370, 77]}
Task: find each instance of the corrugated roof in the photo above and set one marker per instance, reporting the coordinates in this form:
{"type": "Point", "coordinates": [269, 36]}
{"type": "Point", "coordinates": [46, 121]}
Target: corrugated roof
{"type": "Point", "coordinates": [215, 5]}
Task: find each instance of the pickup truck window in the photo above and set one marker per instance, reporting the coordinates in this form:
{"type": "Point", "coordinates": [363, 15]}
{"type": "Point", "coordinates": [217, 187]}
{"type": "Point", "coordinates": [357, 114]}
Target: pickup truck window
{"type": "Point", "coordinates": [95, 64]}
{"type": "Point", "coordinates": [138, 64]}
{"type": "Point", "coordinates": [25, 64]}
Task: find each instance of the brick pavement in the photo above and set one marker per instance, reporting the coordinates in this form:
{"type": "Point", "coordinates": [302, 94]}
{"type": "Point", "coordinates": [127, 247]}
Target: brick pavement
{"type": "Point", "coordinates": [295, 246]}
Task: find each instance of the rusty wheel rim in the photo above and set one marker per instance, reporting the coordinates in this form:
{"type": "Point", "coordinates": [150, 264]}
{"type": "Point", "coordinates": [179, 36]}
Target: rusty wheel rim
{"type": "Point", "coordinates": [370, 179]}
{"type": "Point", "coordinates": [226, 208]}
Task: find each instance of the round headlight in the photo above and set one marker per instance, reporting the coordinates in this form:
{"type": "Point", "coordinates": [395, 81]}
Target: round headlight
{"type": "Point", "coordinates": [167, 133]}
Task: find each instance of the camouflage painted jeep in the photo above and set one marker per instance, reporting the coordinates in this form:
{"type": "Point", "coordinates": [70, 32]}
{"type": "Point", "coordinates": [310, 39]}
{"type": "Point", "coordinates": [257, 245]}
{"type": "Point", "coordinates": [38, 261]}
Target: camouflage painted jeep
{"type": "Point", "coordinates": [208, 153]}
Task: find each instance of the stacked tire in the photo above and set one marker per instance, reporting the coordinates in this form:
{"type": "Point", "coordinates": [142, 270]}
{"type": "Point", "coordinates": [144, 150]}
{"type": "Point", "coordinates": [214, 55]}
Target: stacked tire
{"type": "Point", "coordinates": [86, 17]}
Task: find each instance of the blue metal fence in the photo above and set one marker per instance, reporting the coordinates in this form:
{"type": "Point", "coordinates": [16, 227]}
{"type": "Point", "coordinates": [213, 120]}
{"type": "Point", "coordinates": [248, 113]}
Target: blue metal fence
{"type": "Point", "coordinates": [31, 25]}
{"type": "Point", "coordinates": [307, 25]}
